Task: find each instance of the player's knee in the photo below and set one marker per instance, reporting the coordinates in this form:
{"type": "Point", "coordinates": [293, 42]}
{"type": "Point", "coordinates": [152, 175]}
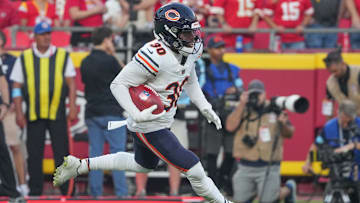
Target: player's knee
{"type": "Point", "coordinates": [196, 172]}
{"type": "Point", "coordinates": [141, 169]}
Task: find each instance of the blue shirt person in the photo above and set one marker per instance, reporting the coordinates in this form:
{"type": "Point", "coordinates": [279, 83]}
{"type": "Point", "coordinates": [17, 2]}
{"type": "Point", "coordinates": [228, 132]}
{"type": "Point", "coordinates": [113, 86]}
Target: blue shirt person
{"type": "Point", "coordinates": [342, 135]}
{"type": "Point", "coordinates": [221, 79]}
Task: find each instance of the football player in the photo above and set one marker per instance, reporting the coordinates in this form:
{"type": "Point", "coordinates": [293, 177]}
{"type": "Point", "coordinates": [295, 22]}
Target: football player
{"type": "Point", "coordinates": [167, 65]}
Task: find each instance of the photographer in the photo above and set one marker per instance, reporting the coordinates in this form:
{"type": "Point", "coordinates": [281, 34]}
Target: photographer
{"type": "Point", "coordinates": [343, 83]}
{"type": "Point", "coordinates": [222, 80]}
{"type": "Point", "coordinates": [258, 147]}
{"type": "Point", "coordinates": [342, 135]}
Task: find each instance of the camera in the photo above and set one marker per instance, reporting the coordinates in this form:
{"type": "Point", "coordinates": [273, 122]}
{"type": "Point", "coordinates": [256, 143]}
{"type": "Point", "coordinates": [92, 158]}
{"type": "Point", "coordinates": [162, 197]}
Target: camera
{"type": "Point", "coordinates": [225, 104]}
{"type": "Point", "coordinates": [249, 141]}
{"type": "Point", "coordinates": [353, 128]}
{"type": "Point", "coordinates": [340, 164]}
{"type": "Point", "coordinates": [253, 100]}
{"type": "Point", "coordinates": [293, 103]}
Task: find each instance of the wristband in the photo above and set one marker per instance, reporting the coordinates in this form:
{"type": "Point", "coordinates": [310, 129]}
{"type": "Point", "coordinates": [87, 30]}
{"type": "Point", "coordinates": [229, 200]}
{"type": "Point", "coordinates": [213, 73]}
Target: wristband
{"type": "Point", "coordinates": [16, 92]}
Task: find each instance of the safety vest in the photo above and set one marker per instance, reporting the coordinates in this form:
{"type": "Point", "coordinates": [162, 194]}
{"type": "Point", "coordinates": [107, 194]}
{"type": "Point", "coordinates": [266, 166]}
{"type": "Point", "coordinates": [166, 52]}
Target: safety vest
{"type": "Point", "coordinates": [266, 128]}
{"type": "Point", "coordinates": [352, 88]}
{"type": "Point", "coordinates": [44, 85]}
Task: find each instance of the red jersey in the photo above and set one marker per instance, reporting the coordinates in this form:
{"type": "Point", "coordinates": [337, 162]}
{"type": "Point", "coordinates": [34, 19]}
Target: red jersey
{"type": "Point", "coordinates": [8, 14]}
{"type": "Point", "coordinates": [198, 4]}
{"type": "Point", "coordinates": [30, 10]}
{"type": "Point", "coordinates": [84, 5]}
{"type": "Point", "coordinates": [289, 14]}
{"type": "Point", "coordinates": [237, 14]}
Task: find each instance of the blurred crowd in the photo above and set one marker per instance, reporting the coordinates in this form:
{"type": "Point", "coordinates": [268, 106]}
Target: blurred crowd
{"type": "Point", "coordinates": [226, 14]}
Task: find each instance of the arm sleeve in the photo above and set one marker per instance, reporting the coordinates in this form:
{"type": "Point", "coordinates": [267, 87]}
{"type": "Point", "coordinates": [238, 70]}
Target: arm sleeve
{"type": "Point", "coordinates": [236, 77]}
{"type": "Point", "coordinates": [70, 69]}
{"type": "Point", "coordinates": [321, 139]}
{"type": "Point", "coordinates": [258, 7]}
{"type": "Point", "coordinates": [194, 92]}
{"type": "Point", "coordinates": [309, 10]}
{"type": "Point", "coordinates": [16, 73]}
{"type": "Point", "coordinates": [131, 75]}
{"type": "Point", "coordinates": [218, 7]}
{"type": "Point", "coordinates": [268, 9]}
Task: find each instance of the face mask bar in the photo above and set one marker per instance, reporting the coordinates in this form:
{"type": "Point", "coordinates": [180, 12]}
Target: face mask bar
{"type": "Point", "coordinates": [190, 37]}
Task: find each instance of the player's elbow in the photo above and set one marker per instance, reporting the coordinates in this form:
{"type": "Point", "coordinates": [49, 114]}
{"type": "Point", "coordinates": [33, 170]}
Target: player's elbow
{"type": "Point", "coordinates": [115, 84]}
{"type": "Point", "coordinates": [114, 87]}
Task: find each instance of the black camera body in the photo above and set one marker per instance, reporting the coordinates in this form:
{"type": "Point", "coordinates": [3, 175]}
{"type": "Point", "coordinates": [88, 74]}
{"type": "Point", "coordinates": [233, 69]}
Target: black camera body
{"type": "Point", "coordinates": [253, 100]}
{"type": "Point", "coordinates": [250, 141]}
{"type": "Point", "coordinates": [340, 164]}
{"type": "Point", "coordinates": [224, 105]}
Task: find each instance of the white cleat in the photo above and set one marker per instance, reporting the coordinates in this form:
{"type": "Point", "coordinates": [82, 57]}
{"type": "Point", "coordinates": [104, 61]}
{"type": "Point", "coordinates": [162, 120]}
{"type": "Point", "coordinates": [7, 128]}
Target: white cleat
{"type": "Point", "coordinates": [67, 170]}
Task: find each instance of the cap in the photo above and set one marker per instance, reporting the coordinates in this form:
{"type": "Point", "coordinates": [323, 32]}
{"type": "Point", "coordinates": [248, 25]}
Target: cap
{"type": "Point", "coordinates": [333, 56]}
{"type": "Point", "coordinates": [256, 86]}
{"type": "Point", "coordinates": [216, 42]}
{"type": "Point", "coordinates": [42, 27]}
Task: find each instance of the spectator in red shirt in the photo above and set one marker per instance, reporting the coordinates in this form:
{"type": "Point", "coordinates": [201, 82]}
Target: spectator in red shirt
{"type": "Point", "coordinates": [85, 13]}
{"type": "Point", "coordinates": [289, 14]}
{"type": "Point", "coordinates": [36, 11]}
{"type": "Point", "coordinates": [8, 14]}
{"type": "Point", "coordinates": [238, 14]}
{"type": "Point", "coordinates": [200, 7]}
{"type": "Point", "coordinates": [353, 7]}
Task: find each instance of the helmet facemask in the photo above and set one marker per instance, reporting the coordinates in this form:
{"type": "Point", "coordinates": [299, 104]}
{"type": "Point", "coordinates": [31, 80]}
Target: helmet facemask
{"type": "Point", "coordinates": [186, 41]}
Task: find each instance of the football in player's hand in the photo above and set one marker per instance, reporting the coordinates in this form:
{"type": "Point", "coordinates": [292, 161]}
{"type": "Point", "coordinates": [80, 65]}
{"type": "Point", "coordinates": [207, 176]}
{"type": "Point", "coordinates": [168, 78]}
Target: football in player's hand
{"type": "Point", "coordinates": [144, 97]}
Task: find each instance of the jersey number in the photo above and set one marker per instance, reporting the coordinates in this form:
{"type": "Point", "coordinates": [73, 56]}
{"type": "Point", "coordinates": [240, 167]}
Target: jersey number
{"type": "Point", "coordinates": [291, 11]}
{"type": "Point", "coordinates": [245, 8]}
{"type": "Point", "coordinates": [175, 96]}
{"type": "Point", "coordinates": [159, 49]}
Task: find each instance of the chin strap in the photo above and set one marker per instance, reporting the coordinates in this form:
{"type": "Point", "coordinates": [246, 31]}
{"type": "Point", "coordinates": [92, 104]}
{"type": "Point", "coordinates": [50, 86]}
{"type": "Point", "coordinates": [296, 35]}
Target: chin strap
{"type": "Point", "coordinates": [186, 51]}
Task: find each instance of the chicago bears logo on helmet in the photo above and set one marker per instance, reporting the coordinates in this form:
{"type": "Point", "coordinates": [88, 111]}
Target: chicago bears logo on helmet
{"type": "Point", "coordinates": [172, 15]}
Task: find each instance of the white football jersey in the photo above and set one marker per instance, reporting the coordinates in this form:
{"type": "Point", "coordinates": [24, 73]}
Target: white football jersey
{"type": "Point", "coordinates": [168, 73]}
